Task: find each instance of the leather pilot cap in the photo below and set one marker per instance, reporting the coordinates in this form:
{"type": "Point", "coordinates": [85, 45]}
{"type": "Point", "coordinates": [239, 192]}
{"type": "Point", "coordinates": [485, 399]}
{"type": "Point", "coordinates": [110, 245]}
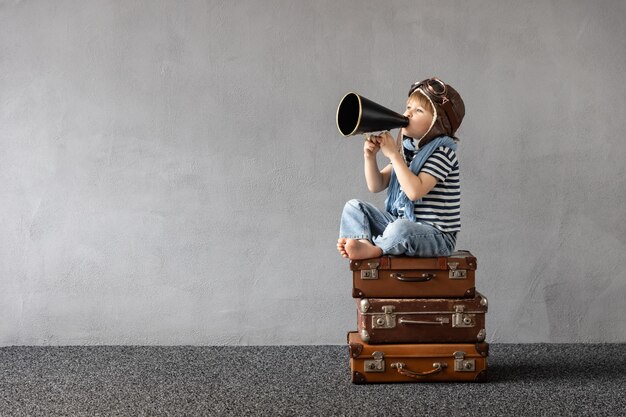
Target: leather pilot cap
{"type": "Point", "coordinates": [448, 105]}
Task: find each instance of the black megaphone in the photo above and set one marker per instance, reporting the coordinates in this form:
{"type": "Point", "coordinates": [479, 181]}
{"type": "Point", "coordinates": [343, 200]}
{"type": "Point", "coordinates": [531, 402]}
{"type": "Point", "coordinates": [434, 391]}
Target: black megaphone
{"type": "Point", "coordinates": [356, 114]}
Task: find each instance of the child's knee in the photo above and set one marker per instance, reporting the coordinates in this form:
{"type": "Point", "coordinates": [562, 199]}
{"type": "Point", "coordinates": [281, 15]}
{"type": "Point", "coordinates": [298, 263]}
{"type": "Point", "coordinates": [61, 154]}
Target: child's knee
{"type": "Point", "coordinates": [352, 205]}
{"type": "Point", "coordinates": [399, 229]}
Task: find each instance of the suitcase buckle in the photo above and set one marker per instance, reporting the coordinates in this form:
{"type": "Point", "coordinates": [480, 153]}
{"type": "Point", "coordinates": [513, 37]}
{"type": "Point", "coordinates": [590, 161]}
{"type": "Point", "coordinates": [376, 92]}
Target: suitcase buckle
{"type": "Point", "coordinates": [371, 273]}
{"type": "Point", "coordinates": [456, 273]}
{"type": "Point", "coordinates": [387, 320]}
{"type": "Point", "coordinates": [461, 319]}
{"type": "Point", "coordinates": [463, 365]}
{"type": "Point", "coordinates": [377, 364]}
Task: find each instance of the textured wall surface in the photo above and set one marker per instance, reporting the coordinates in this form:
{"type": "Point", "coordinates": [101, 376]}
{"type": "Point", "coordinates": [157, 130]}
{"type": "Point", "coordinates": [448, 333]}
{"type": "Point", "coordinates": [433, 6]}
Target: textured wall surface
{"type": "Point", "coordinates": [171, 171]}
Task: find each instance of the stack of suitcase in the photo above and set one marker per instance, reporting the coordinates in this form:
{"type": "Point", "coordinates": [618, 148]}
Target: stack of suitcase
{"type": "Point", "coordinates": [419, 319]}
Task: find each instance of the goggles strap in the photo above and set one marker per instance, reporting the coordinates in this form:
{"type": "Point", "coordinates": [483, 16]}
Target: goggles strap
{"type": "Point", "coordinates": [447, 107]}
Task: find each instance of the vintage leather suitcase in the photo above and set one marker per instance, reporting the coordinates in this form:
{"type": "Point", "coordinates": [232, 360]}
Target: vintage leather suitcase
{"type": "Point", "coordinates": [422, 320]}
{"type": "Point", "coordinates": [404, 277]}
{"type": "Point", "coordinates": [459, 362]}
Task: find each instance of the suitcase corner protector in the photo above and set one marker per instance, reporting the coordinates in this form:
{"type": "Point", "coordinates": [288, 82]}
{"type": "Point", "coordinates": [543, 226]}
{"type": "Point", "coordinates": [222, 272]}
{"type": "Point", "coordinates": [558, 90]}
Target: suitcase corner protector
{"type": "Point", "coordinates": [482, 348]}
{"type": "Point", "coordinates": [354, 265]}
{"type": "Point", "coordinates": [473, 263]}
{"type": "Point", "coordinates": [482, 376]}
{"type": "Point", "coordinates": [358, 378]}
{"type": "Point", "coordinates": [355, 349]}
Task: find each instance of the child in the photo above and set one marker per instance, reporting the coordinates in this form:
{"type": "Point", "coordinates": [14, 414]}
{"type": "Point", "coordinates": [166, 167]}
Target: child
{"type": "Point", "coordinates": [422, 209]}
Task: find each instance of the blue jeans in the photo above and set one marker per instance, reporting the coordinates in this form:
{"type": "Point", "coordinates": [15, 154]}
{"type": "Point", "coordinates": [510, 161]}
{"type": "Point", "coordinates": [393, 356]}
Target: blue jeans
{"type": "Point", "coordinates": [395, 236]}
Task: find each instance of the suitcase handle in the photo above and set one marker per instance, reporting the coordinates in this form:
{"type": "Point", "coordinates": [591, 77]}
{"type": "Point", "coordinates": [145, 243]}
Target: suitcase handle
{"type": "Point", "coordinates": [439, 321]}
{"type": "Point", "coordinates": [437, 367]}
{"type": "Point", "coordinates": [423, 278]}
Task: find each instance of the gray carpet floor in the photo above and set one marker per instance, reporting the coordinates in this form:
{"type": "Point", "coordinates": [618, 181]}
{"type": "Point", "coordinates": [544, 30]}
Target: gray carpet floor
{"type": "Point", "coordinates": [524, 380]}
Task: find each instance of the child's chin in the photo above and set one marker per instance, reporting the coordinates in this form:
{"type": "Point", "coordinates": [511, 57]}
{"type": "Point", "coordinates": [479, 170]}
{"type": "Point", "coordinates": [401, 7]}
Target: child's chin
{"type": "Point", "coordinates": [408, 134]}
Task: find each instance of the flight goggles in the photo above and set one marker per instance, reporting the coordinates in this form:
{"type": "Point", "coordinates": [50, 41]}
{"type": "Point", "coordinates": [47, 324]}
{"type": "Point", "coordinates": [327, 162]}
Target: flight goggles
{"type": "Point", "coordinates": [438, 90]}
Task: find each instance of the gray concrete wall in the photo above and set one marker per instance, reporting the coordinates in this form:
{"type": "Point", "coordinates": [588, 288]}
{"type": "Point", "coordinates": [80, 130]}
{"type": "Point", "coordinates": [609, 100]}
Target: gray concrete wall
{"type": "Point", "coordinates": [171, 172]}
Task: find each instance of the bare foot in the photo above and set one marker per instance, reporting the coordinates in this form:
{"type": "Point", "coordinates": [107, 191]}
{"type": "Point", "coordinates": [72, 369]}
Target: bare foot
{"type": "Point", "coordinates": [341, 246]}
{"type": "Point", "coordinates": [361, 249]}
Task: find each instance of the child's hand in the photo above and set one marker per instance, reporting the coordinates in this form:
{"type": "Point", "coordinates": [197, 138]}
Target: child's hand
{"type": "Point", "coordinates": [371, 146]}
{"type": "Point", "coordinates": [388, 144]}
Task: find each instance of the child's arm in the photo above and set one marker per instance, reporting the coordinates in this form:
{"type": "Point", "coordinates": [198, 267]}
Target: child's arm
{"type": "Point", "coordinates": [377, 180]}
{"type": "Point", "coordinates": [414, 186]}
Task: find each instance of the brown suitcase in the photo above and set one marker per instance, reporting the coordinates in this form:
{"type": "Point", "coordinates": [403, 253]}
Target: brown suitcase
{"type": "Point", "coordinates": [422, 320]}
{"type": "Point", "coordinates": [404, 277]}
{"type": "Point", "coordinates": [457, 362]}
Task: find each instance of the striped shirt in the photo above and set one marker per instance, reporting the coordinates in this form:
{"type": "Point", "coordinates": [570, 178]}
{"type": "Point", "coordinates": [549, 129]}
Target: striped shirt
{"type": "Point", "coordinates": [441, 207]}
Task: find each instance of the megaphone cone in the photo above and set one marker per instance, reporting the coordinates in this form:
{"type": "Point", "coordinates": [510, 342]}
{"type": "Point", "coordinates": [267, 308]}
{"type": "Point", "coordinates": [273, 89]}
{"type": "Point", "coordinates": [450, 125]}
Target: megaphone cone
{"type": "Point", "coordinates": [356, 115]}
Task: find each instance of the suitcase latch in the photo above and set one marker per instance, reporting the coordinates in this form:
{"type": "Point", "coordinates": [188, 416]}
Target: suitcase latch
{"type": "Point", "coordinates": [463, 365]}
{"type": "Point", "coordinates": [461, 319]}
{"type": "Point", "coordinates": [456, 273]}
{"type": "Point", "coordinates": [377, 364]}
{"type": "Point", "coordinates": [371, 273]}
{"type": "Point", "coordinates": [387, 320]}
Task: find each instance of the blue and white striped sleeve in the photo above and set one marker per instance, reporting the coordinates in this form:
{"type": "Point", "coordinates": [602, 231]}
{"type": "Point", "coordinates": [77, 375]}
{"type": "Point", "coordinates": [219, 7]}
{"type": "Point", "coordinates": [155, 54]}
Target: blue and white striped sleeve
{"type": "Point", "coordinates": [440, 163]}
